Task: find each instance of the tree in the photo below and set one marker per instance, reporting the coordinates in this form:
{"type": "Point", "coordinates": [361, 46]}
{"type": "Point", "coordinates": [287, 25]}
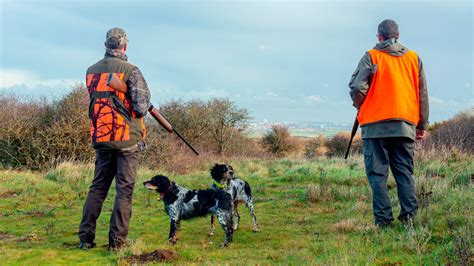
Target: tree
{"type": "Point", "coordinates": [227, 123]}
{"type": "Point", "coordinates": [278, 140]}
{"type": "Point", "coordinates": [216, 125]}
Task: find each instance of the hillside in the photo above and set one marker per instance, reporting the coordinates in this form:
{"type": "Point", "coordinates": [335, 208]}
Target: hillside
{"type": "Point", "coordinates": [309, 212]}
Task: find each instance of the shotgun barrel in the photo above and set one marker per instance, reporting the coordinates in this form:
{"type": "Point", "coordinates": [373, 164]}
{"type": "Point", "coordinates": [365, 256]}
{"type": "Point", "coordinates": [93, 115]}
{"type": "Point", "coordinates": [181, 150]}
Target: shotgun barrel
{"type": "Point", "coordinates": [164, 123]}
{"type": "Point", "coordinates": [354, 131]}
{"type": "Point", "coordinates": [114, 82]}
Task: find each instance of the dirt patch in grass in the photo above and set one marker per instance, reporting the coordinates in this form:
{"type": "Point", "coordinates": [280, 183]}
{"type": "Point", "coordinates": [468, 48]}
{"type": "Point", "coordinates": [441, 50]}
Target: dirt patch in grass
{"type": "Point", "coordinates": [36, 214]}
{"type": "Point", "coordinates": [28, 238]}
{"type": "Point", "coordinates": [159, 255]}
{"type": "Point", "coordinates": [8, 194]}
{"type": "Point", "coordinates": [4, 236]}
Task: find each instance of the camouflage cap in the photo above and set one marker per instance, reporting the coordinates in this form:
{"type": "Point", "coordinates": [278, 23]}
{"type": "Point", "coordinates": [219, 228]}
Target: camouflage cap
{"type": "Point", "coordinates": [116, 38]}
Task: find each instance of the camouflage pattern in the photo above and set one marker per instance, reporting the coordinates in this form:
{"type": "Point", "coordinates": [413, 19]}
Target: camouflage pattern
{"type": "Point", "coordinates": [116, 38]}
{"type": "Point", "coordinates": [137, 86]}
{"type": "Point", "coordinates": [137, 97]}
{"type": "Point", "coordinates": [139, 92]}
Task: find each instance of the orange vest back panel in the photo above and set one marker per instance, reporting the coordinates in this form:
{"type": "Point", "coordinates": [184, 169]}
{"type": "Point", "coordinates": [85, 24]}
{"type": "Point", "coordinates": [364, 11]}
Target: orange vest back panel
{"type": "Point", "coordinates": [393, 93]}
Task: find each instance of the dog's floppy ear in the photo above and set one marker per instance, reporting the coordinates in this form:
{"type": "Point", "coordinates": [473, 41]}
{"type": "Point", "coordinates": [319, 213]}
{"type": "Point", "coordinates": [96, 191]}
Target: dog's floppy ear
{"type": "Point", "coordinates": [213, 169]}
{"type": "Point", "coordinates": [215, 174]}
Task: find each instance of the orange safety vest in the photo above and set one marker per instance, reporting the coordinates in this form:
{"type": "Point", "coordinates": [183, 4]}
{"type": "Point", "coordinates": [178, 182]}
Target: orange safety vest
{"type": "Point", "coordinates": [114, 124]}
{"type": "Point", "coordinates": [393, 92]}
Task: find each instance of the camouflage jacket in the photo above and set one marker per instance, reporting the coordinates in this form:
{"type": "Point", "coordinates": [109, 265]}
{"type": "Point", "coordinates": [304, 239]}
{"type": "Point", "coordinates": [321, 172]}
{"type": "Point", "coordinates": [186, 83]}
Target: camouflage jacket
{"type": "Point", "coordinates": [137, 86]}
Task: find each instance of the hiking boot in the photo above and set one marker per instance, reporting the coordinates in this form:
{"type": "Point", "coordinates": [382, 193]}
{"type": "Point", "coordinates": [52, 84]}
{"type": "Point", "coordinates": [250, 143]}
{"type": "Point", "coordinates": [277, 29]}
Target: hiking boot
{"type": "Point", "coordinates": [86, 246]}
{"type": "Point", "coordinates": [115, 247]}
{"type": "Point", "coordinates": [407, 220]}
{"type": "Point", "coordinates": [382, 225]}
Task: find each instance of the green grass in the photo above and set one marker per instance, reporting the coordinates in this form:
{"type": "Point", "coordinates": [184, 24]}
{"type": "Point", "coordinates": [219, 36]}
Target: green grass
{"type": "Point", "coordinates": [309, 212]}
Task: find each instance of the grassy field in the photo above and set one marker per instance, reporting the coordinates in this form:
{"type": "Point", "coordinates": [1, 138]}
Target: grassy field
{"type": "Point", "coordinates": [309, 212]}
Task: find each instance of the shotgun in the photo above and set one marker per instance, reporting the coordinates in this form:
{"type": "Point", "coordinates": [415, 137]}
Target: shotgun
{"type": "Point", "coordinates": [354, 131]}
{"type": "Point", "coordinates": [114, 82]}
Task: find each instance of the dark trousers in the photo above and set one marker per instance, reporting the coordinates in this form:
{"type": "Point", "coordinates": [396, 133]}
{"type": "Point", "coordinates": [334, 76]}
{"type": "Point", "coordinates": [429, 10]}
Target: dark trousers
{"type": "Point", "coordinates": [109, 164]}
{"type": "Point", "coordinates": [395, 153]}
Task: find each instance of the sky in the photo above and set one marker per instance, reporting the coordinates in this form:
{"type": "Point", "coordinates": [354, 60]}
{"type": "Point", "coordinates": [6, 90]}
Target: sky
{"type": "Point", "coordinates": [284, 61]}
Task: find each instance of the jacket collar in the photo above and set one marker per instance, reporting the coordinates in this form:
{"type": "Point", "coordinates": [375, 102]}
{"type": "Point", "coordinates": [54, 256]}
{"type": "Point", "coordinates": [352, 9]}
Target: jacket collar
{"type": "Point", "coordinates": [116, 54]}
{"type": "Point", "coordinates": [392, 47]}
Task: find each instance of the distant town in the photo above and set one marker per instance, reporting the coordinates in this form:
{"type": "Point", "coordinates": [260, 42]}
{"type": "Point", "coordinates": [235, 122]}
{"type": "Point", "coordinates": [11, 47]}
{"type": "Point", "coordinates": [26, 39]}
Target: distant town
{"type": "Point", "coordinates": [299, 129]}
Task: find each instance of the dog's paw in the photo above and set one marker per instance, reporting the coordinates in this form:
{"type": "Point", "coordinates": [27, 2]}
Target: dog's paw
{"type": "Point", "coordinates": [255, 229]}
{"type": "Point", "coordinates": [172, 241]}
{"type": "Point", "coordinates": [211, 233]}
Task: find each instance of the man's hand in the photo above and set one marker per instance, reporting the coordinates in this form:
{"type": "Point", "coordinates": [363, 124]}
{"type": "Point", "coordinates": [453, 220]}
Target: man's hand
{"type": "Point", "coordinates": [420, 134]}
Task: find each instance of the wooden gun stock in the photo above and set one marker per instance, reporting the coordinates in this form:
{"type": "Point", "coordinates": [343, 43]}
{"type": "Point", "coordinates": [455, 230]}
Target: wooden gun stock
{"type": "Point", "coordinates": [163, 122]}
{"type": "Point", "coordinates": [114, 82]}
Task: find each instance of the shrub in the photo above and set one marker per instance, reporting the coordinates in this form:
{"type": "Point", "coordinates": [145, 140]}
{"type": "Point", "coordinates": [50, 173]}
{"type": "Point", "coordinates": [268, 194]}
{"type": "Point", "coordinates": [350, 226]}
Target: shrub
{"type": "Point", "coordinates": [337, 145]}
{"type": "Point", "coordinates": [278, 140]}
{"type": "Point", "coordinates": [456, 133]}
{"type": "Point", "coordinates": [217, 125]}
{"type": "Point", "coordinates": [39, 133]}
{"type": "Point", "coordinates": [316, 147]}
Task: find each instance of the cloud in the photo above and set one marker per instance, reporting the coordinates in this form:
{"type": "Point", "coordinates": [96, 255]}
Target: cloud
{"type": "Point", "coordinates": [435, 100]}
{"type": "Point", "coordinates": [445, 102]}
{"type": "Point", "coordinates": [16, 78]}
{"type": "Point", "coordinates": [316, 98]}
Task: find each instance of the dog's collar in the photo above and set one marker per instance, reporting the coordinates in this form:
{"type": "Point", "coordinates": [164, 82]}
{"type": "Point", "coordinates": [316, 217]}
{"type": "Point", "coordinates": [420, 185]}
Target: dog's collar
{"type": "Point", "coordinates": [219, 185]}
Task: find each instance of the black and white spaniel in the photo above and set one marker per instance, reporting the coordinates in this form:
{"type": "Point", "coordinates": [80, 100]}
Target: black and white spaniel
{"type": "Point", "coordinates": [238, 189]}
{"type": "Point", "coordinates": [182, 204]}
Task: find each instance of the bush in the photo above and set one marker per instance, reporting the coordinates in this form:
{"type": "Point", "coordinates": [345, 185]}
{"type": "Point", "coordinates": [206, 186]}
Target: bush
{"type": "Point", "coordinates": [456, 133]}
{"type": "Point", "coordinates": [40, 133]}
{"type": "Point", "coordinates": [315, 147]}
{"type": "Point", "coordinates": [216, 126]}
{"type": "Point", "coordinates": [278, 140]}
{"type": "Point", "coordinates": [337, 145]}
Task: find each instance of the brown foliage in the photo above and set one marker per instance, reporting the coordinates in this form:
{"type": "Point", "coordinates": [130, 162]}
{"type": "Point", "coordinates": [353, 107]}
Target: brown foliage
{"type": "Point", "coordinates": [215, 126]}
{"type": "Point", "coordinates": [315, 147]}
{"type": "Point", "coordinates": [38, 133]}
{"type": "Point", "coordinates": [337, 145]}
{"type": "Point", "coordinates": [456, 133]}
{"type": "Point", "coordinates": [278, 141]}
